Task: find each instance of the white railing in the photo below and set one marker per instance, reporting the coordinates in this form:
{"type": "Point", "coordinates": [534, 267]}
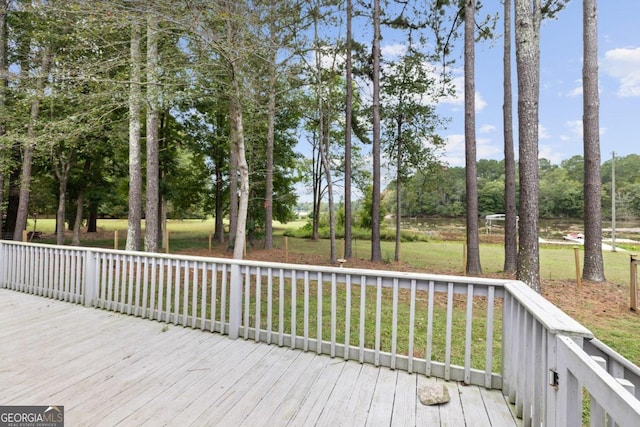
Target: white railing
{"type": "Point", "coordinates": [493, 333]}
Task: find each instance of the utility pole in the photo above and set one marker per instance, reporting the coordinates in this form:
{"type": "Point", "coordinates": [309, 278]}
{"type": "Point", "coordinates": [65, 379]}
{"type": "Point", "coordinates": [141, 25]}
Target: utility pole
{"type": "Point", "coordinates": [613, 202]}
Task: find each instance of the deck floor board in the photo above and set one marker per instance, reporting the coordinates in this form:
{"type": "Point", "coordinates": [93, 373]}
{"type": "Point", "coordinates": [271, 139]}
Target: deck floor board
{"type": "Point", "coordinates": [110, 369]}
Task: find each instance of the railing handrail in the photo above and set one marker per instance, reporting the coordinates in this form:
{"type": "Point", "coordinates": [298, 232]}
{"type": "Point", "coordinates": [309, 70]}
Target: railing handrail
{"type": "Point", "coordinates": [556, 321]}
{"type": "Point", "coordinates": [387, 274]}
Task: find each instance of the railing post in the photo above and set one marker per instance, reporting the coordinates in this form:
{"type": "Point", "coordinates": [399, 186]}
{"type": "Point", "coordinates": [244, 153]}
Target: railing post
{"type": "Point", "coordinates": [633, 286]}
{"type": "Point", "coordinates": [89, 282]}
{"type": "Point", "coordinates": [235, 301]}
{"type": "Point", "coordinates": [3, 265]}
{"type": "Point", "coordinates": [569, 395]}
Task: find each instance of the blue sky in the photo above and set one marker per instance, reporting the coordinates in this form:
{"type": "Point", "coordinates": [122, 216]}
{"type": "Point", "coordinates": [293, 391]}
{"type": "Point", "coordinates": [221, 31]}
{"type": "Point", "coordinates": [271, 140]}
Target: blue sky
{"type": "Point", "coordinates": [560, 131]}
{"type": "Point", "coordinates": [561, 87]}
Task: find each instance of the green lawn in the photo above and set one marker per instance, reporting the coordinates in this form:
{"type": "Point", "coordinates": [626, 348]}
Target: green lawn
{"type": "Point", "coordinates": [557, 264]}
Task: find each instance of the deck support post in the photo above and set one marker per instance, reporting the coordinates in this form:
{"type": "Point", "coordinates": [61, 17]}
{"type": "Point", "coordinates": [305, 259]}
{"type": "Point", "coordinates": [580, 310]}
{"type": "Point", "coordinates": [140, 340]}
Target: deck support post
{"type": "Point", "coordinates": [235, 302]}
{"type": "Point", "coordinates": [90, 282]}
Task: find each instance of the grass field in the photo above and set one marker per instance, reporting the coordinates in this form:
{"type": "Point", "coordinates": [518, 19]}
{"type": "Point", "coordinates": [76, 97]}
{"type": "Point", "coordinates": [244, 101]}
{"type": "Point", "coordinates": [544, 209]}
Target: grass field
{"type": "Point", "coordinates": [557, 262]}
{"type": "Point", "coordinates": [603, 308]}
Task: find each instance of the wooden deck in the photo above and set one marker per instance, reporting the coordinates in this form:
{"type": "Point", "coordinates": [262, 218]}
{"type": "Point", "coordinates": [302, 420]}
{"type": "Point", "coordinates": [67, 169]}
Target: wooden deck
{"type": "Point", "coordinates": [111, 369]}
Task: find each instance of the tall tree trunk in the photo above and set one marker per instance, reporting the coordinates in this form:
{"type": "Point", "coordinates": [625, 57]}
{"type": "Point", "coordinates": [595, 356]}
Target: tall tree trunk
{"type": "Point", "coordinates": [317, 190]}
{"type": "Point", "coordinates": [324, 117]}
{"type": "Point", "coordinates": [235, 115]}
{"type": "Point", "coordinates": [332, 218]}
{"type": "Point", "coordinates": [268, 186]}
{"type": "Point", "coordinates": [473, 239]}
{"type": "Point", "coordinates": [29, 146]}
{"type": "Point", "coordinates": [92, 221]}
{"type": "Point", "coordinates": [376, 251]}
{"type": "Point", "coordinates": [528, 68]}
{"type": "Point", "coordinates": [13, 196]}
{"type": "Point", "coordinates": [347, 139]}
{"type": "Point", "coordinates": [511, 214]}
{"type": "Point", "coordinates": [62, 196]}
{"type": "Point", "coordinates": [233, 186]}
{"type": "Point", "coordinates": [77, 223]}
{"type": "Point", "coordinates": [134, 227]}
{"type": "Point", "coordinates": [220, 156]}
{"type": "Point", "coordinates": [152, 216]}
{"type": "Point", "coordinates": [398, 191]}
{"type": "Point", "coordinates": [62, 167]}
{"type": "Point", "coordinates": [163, 144]}
{"type": "Point", "coordinates": [4, 83]}
{"type": "Point", "coordinates": [219, 189]}
{"type": "Point", "coordinates": [593, 262]}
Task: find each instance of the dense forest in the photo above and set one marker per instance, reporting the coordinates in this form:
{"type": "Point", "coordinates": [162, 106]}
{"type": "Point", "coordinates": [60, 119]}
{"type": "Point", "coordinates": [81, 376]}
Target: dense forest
{"type": "Point", "coordinates": [441, 192]}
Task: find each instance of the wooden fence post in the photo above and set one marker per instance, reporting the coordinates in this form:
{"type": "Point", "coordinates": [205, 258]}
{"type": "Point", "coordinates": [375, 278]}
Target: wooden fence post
{"type": "Point", "coordinates": [633, 288]}
{"type": "Point", "coordinates": [115, 239]}
{"type": "Point", "coordinates": [576, 250]}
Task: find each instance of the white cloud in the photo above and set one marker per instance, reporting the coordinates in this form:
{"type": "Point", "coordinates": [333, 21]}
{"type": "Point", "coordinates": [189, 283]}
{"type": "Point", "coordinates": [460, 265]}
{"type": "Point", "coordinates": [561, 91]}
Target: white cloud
{"type": "Point", "coordinates": [455, 154]}
{"type": "Point", "coordinates": [542, 132]}
{"type": "Point", "coordinates": [487, 129]}
{"type": "Point", "coordinates": [575, 92]}
{"type": "Point", "coordinates": [623, 64]}
{"type": "Point", "coordinates": [550, 153]}
{"type": "Point", "coordinates": [457, 100]}
{"type": "Point", "coordinates": [393, 50]}
{"type": "Point", "coordinates": [575, 127]}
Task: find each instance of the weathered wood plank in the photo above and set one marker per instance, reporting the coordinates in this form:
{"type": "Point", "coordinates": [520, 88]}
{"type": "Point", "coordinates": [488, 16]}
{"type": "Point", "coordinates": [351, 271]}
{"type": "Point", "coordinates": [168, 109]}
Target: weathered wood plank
{"type": "Point", "coordinates": [473, 405]}
{"type": "Point", "coordinates": [234, 405]}
{"type": "Point", "coordinates": [406, 398]}
{"type": "Point", "coordinates": [131, 391]}
{"type": "Point", "coordinates": [176, 384]}
{"type": "Point", "coordinates": [358, 404]}
{"type": "Point", "coordinates": [224, 385]}
{"type": "Point", "coordinates": [259, 405]}
{"type": "Point", "coordinates": [119, 369]}
{"type": "Point", "coordinates": [334, 408]}
{"type": "Point", "coordinates": [318, 395]}
{"type": "Point", "coordinates": [452, 413]}
{"type": "Point", "coordinates": [382, 401]}
{"type": "Point", "coordinates": [291, 401]}
{"type": "Point", "coordinates": [426, 415]}
{"type": "Point", "coordinates": [498, 409]}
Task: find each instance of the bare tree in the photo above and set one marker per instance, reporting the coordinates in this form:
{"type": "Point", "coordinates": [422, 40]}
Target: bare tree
{"type": "Point", "coordinates": [29, 146]}
{"type": "Point", "coordinates": [376, 251]}
{"type": "Point", "coordinates": [347, 137]}
{"type": "Point", "coordinates": [62, 162]}
{"type": "Point", "coordinates": [511, 219]}
{"type": "Point", "coordinates": [134, 228]}
{"type": "Point", "coordinates": [473, 240]}
{"type": "Point", "coordinates": [152, 215]}
{"type": "Point", "coordinates": [593, 262]}
{"type": "Point", "coordinates": [528, 66]}
{"type": "Point", "coordinates": [4, 81]}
